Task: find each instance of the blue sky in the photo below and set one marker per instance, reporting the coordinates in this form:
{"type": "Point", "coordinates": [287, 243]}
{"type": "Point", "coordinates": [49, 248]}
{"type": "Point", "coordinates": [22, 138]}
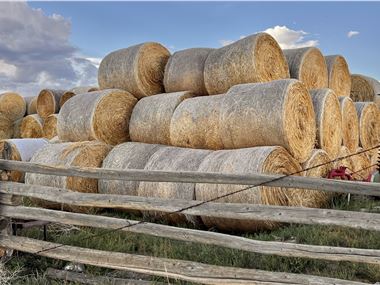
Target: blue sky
{"type": "Point", "coordinates": [95, 28]}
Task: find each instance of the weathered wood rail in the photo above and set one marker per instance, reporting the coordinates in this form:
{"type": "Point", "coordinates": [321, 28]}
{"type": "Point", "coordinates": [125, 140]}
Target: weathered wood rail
{"type": "Point", "coordinates": [11, 193]}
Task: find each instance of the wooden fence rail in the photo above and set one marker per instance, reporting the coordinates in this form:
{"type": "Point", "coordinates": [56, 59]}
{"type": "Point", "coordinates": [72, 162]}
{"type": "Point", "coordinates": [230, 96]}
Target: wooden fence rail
{"type": "Point", "coordinates": [321, 184]}
{"type": "Point", "coordinates": [169, 268]}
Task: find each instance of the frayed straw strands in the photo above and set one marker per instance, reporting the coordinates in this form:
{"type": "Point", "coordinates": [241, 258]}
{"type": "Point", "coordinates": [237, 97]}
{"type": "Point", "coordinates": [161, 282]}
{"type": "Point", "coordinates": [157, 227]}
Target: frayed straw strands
{"type": "Point", "coordinates": [50, 126]}
{"type": "Point", "coordinates": [368, 114]}
{"type": "Point", "coordinates": [138, 69]}
{"type": "Point", "coordinates": [364, 88]}
{"type": "Point", "coordinates": [309, 66]}
{"type": "Point", "coordinates": [361, 163]}
{"type": "Point", "coordinates": [75, 91]}
{"type": "Point", "coordinates": [31, 127]}
{"type": "Point", "coordinates": [20, 150]}
{"type": "Point", "coordinates": [48, 102]}
{"type": "Point", "coordinates": [100, 115]}
{"type": "Point", "coordinates": [329, 121]}
{"type": "Point", "coordinates": [350, 123]}
{"type": "Point", "coordinates": [12, 105]}
{"type": "Point", "coordinates": [151, 117]}
{"type": "Point", "coordinates": [270, 159]}
{"type": "Point", "coordinates": [338, 74]}
{"type": "Point", "coordinates": [184, 71]}
{"type": "Point", "coordinates": [195, 123]}
{"type": "Point", "coordinates": [347, 161]}
{"type": "Point", "coordinates": [256, 58]}
{"type": "Point", "coordinates": [6, 127]}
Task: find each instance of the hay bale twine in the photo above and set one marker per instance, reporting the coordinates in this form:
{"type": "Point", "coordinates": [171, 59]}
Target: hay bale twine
{"type": "Point", "coordinates": [19, 150]}
{"type": "Point", "coordinates": [31, 127]}
{"type": "Point", "coordinates": [173, 159]}
{"type": "Point", "coordinates": [6, 127]}
{"type": "Point", "coordinates": [256, 58]}
{"type": "Point", "coordinates": [12, 105]}
{"type": "Point", "coordinates": [151, 117]}
{"type": "Point", "coordinates": [328, 119]}
{"type": "Point", "coordinates": [129, 155]}
{"type": "Point", "coordinates": [338, 74]}
{"type": "Point", "coordinates": [17, 129]}
{"type": "Point", "coordinates": [269, 159]}
{"type": "Point", "coordinates": [344, 159]}
{"type": "Point", "coordinates": [309, 66]}
{"type": "Point", "coordinates": [364, 88]}
{"type": "Point", "coordinates": [31, 105]}
{"type": "Point", "coordinates": [78, 154]}
{"type": "Point", "coordinates": [264, 114]}
{"type": "Point", "coordinates": [100, 115]}
{"type": "Point", "coordinates": [350, 123]}
{"type": "Point", "coordinates": [184, 71]}
{"type": "Point", "coordinates": [50, 126]}
{"type": "Point", "coordinates": [316, 166]}
{"type": "Point", "coordinates": [138, 69]}
{"type": "Point", "coordinates": [75, 91]}
{"type": "Point", "coordinates": [368, 114]}
{"type": "Point", "coordinates": [361, 164]}
{"type": "Point", "coordinates": [48, 102]}
{"type": "Point", "coordinates": [195, 123]}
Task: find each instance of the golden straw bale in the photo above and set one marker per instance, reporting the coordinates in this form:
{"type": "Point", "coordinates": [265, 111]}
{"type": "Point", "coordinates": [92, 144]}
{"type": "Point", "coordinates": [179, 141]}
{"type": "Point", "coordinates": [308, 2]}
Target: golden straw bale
{"type": "Point", "coordinates": [17, 129]}
{"type": "Point", "coordinates": [364, 88]}
{"type": "Point", "coordinates": [328, 119]}
{"type": "Point", "coordinates": [31, 105]}
{"type": "Point", "coordinates": [195, 123]}
{"type": "Point", "coordinates": [350, 123]}
{"type": "Point", "coordinates": [138, 69]}
{"type": "Point", "coordinates": [50, 126]}
{"type": "Point", "coordinates": [48, 102]}
{"type": "Point", "coordinates": [12, 105]}
{"type": "Point", "coordinates": [184, 71]}
{"type": "Point", "coordinates": [6, 127]}
{"type": "Point", "coordinates": [99, 115]}
{"type": "Point", "coordinates": [346, 160]}
{"type": "Point", "coordinates": [368, 114]}
{"type": "Point", "coordinates": [338, 74]}
{"type": "Point", "coordinates": [31, 127]}
{"type": "Point", "coordinates": [151, 117]}
{"type": "Point", "coordinates": [256, 58]}
{"type": "Point", "coordinates": [268, 159]}
{"type": "Point", "coordinates": [75, 91]}
{"type": "Point", "coordinates": [309, 66]}
{"type": "Point", "coordinates": [361, 164]}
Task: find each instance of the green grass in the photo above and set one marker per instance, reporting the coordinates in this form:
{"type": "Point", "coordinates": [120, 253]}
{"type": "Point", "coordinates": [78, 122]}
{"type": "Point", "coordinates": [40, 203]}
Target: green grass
{"type": "Point", "coordinates": [33, 267]}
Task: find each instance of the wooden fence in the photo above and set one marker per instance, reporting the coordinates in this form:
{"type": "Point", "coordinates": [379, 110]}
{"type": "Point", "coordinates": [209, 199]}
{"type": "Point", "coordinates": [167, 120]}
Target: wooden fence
{"type": "Point", "coordinates": [10, 202]}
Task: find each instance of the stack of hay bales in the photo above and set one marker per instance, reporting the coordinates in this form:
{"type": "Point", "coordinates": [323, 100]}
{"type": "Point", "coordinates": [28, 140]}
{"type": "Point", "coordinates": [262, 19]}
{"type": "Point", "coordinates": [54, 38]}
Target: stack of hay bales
{"type": "Point", "coordinates": [12, 109]}
{"type": "Point", "coordinates": [75, 91]}
{"type": "Point", "coordinates": [364, 88]}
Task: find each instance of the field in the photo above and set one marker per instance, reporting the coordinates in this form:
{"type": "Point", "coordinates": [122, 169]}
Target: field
{"type": "Point", "coordinates": [30, 269]}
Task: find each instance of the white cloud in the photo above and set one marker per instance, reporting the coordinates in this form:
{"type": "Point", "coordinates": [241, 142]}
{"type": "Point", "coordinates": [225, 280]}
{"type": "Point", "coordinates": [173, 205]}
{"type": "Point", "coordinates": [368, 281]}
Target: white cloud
{"type": "Point", "coordinates": [228, 42]}
{"type": "Point", "coordinates": [288, 38]}
{"type": "Point", "coordinates": [351, 34]}
{"type": "Point", "coordinates": [35, 52]}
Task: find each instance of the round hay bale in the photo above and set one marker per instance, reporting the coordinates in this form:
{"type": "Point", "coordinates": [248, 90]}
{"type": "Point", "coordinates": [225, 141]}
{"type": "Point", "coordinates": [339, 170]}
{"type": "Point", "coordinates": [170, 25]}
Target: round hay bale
{"type": "Point", "coordinates": [374, 159]}
{"type": "Point", "coordinates": [50, 126]}
{"type": "Point", "coordinates": [100, 115]}
{"type": "Point", "coordinates": [339, 77]}
{"type": "Point", "coordinates": [377, 100]}
{"type": "Point", "coordinates": [256, 58]}
{"type": "Point", "coordinates": [195, 123]}
{"type": "Point", "coordinates": [269, 159]}
{"type": "Point", "coordinates": [31, 105]}
{"type": "Point", "coordinates": [12, 105]}
{"type": "Point", "coordinates": [184, 71]}
{"type": "Point", "coordinates": [128, 155]}
{"type": "Point", "coordinates": [364, 88]}
{"type": "Point", "coordinates": [346, 161]}
{"type": "Point", "coordinates": [17, 129]}
{"type": "Point", "coordinates": [329, 121]}
{"type": "Point", "coordinates": [173, 159]}
{"type": "Point", "coordinates": [31, 127]}
{"type": "Point", "coordinates": [138, 69]}
{"type": "Point", "coordinates": [6, 127]}
{"type": "Point", "coordinates": [48, 102]}
{"type": "Point", "coordinates": [75, 91]}
{"type": "Point", "coordinates": [78, 154]}
{"type": "Point", "coordinates": [20, 150]}
{"type": "Point", "coordinates": [151, 117]}
{"type": "Point", "coordinates": [350, 123]}
{"type": "Point", "coordinates": [361, 164]}
{"type": "Point", "coordinates": [368, 114]}
{"type": "Point", "coordinates": [316, 166]}
{"type": "Point", "coordinates": [309, 66]}
{"type": "Point", "coordinates": [264, 114]}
